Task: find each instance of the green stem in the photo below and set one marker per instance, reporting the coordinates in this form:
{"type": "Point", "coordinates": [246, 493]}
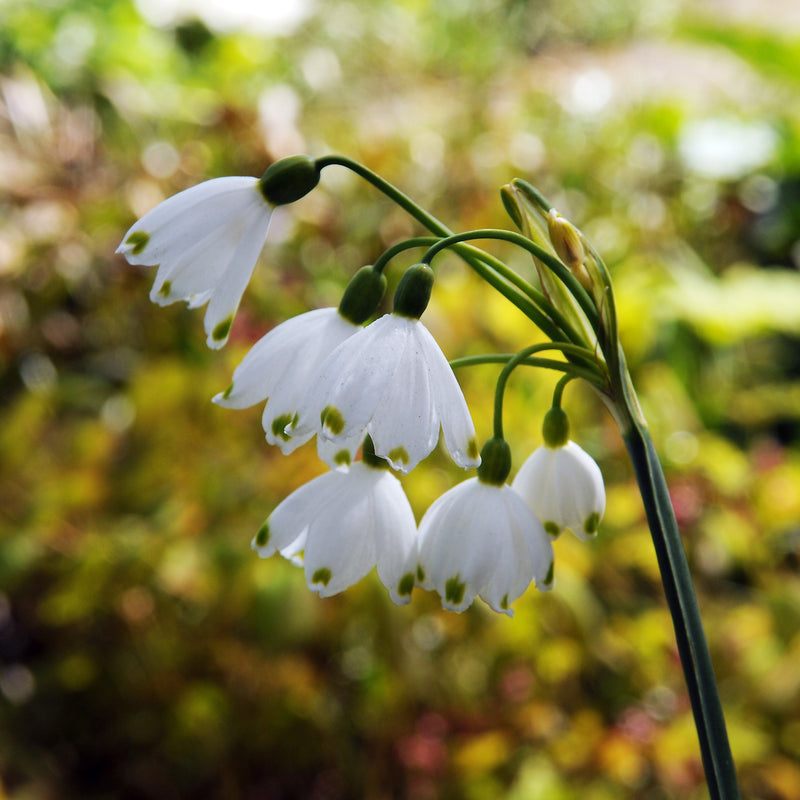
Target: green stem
{"type": "Point", "coordinates": [558, 392]}
{"type": "Point", "coordinates": [588, 373]}
{"type": "Point", "coordinates": [400, 247]}
{"type": "Point", "coordinates": [682, 601]}
{"type": "Point", "coordinates": [472, 256]}
{"type": "Point", "coordinates": [523, 357]}
{"type": "Point", "coordinates": [392, 192]}
{"type": "Point", "coordinates": [567, 278]}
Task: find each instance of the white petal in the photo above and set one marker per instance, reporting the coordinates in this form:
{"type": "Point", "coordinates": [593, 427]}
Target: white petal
{"type": "Point", "coordinates": [360, 372]}
{"type": "Point", "coordinates": [457, 427]}
{"type": "Point", "coordinates": [177, 223]}
{"type": "Point", "coordinates": [285, 358]}
{"type": "Point", "coordinates": [406, 428]}
{"type": "Point", "coordinates": [395, 533]}
{"type": "Point", "coordinates": [291, 518]}
{"type": "Point", "coordinates": [340, 549]}
{"type": "Point", "coordinates": [340, 452]}
{"type": "Point", "coordinates": [455, 550]}
{"type": "Point", "coordinates": [225, 301]}
{"type": "Point", "coordinates": [528, 533]}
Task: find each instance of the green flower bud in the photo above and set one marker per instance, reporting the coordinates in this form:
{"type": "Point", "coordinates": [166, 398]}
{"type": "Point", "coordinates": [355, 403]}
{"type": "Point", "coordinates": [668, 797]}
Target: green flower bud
{"type": "Point", "coordinates": [555, 428]}
{"type": "Point", "coordinates": [362, 295]}
{"type": "Point", "coordinates": [414, 291]}
{"type": "Point", "coordinates": [495, 462]}
{"type": "Point", "coordinates": [289, 179]}
{"type": "Point", "coordinates": [567, 240]}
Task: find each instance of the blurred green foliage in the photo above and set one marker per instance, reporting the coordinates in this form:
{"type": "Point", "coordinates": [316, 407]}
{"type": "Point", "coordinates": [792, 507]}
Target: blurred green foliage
{"type": "Point", "coordinates": [145, 652]}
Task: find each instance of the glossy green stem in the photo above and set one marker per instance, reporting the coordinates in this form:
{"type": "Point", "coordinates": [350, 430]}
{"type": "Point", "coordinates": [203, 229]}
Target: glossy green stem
{"type": "Point", "coordinates": [682, 601]}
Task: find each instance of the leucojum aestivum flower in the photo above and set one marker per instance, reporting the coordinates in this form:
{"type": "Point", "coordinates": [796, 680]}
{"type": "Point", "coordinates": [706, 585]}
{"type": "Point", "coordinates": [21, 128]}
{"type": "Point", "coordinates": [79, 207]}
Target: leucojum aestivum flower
{"type": "Point", "coordinates": [376, 393]}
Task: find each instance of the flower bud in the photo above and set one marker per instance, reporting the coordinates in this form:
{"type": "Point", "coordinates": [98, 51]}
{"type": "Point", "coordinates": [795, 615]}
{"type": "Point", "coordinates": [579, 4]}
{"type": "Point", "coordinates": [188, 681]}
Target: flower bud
{"type": "Point", "coordinates": [495, 462]}
{"type": "Point", "coordinates": [555, 428]}
{"type": "Point", "coordinates": [414, 291]}
{"type": "Point", "coordinates": [289, 179]}
{"type": "Point", "coordinates": [567, 240]}
{"type": "Point", "coordinates": [362, 295]}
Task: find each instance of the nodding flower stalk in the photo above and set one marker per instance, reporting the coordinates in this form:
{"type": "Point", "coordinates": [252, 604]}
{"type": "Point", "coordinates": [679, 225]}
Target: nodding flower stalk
{"type": "Point", "coordinates": [574, 306]}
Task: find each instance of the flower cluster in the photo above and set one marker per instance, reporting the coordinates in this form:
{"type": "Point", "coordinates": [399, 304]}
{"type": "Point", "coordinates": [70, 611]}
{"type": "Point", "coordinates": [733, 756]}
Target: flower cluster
{"type": "Point", "coordinates": [382, 388]}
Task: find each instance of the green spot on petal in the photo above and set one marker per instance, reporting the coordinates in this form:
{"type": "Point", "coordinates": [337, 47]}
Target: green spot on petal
{"type": "Point", "coordinates": [406, 584]}
{"type": "Point", "coordinates": [398, 455]}
{"type": "Point", "coordinates": [165, 289]}
{"type": "Point", "coordinates": [553, 529]}
{"type": "Point", "coordinates": [420, 573]}
{"type": "Point", "coordinates": [262, 537]}
{"type": "Point", "coordinates": [222, 330]}
{"type": "Point", "coordinates": [322, 575]}
{"type": "Point", "coordinates": [548, 580]}
{"type": "Point", "coordinates": [342, 458]}
{"type": "Point", "coordinates": [472, 448]}
{"type": "Point", "coordinates": [138, 240]}
{"type": "Point", "coordinates": [227, 393]}
{"type": "Point", "coordinates": [504, 602]}
{"type": "Point", "coordinates": [332, 419]}
{"type": "Point", "coordinates": [280, 423]}
{"type": "Point", "coordinates": [454, 590]}
{"type": "Point", "coordinates": [592, 523]}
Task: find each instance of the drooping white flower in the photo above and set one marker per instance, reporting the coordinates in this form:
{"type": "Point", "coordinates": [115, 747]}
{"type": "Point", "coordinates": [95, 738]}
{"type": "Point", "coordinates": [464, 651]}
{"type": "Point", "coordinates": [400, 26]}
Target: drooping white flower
{"type": "Point", "coordinates": [391, 381]}
{"type": "Point", "coordinates": [482, 539]}
{"type": "Point", "coordinates": [341, 525]}
{"type": "Point", "coordinates": [280, 368]}
{"type": "Point", "coordinates": [205, 241]}
{"type": "Point", "coordinates": [564, 487]}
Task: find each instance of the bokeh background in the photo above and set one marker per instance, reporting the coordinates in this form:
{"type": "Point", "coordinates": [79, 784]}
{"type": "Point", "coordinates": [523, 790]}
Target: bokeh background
{"type": "Point", "coordinates": [145, 652]}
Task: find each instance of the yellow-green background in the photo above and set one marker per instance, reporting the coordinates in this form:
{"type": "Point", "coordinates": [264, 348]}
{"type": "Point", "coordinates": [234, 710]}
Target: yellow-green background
{"type": "Point", "coordinates": [145, 651]}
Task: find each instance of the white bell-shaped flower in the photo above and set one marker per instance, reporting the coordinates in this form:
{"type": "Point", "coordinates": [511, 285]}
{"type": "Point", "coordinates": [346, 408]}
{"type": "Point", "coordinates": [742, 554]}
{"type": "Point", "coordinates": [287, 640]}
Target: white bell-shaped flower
{"type": "Point", "coordinates": [205, 241]}
{"type": "Point", "coordinates": [391, 381]}
{"type": "Point", "coordinates": [562, 483]}
{"type": "Point", "coordinates": [280, 368]}
{"type": "Point", "coordinates": [341, 525]}
{"type": "Point", "coordinates": [480, 538]}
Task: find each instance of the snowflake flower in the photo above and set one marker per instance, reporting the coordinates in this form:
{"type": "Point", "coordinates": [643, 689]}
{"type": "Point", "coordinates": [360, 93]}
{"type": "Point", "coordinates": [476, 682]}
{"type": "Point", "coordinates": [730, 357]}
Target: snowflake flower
{"type": "Point", "coordinates": [480, 538]}
{"type": "Point", "coordinates": [391, 381]}
{"type": "Point", "coordinates": [564, 487]}
{"type": "Point", "coordinates": [341, 524]}
{"type": "Point", "coordinates": [205, 241]}
{"type": "Point", "coordinates": [280, 368]}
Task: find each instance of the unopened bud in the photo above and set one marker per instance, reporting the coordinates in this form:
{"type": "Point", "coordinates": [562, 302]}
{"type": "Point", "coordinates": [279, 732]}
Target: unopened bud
{"type": "Point", "coordinates": [568, 243]}
{"type": "Point", "coordinates": [289, 179]}
{"type": "Point", "coordinates": [495, 462]}
{"type": "Point", "coordinates": [414, 291]}
{"type": "Point", "coordinates": [566, 239]}
{"type": "Point", "coordinates": [555, 428]}
{"type": "Point", "coordinates": [362, 295]}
